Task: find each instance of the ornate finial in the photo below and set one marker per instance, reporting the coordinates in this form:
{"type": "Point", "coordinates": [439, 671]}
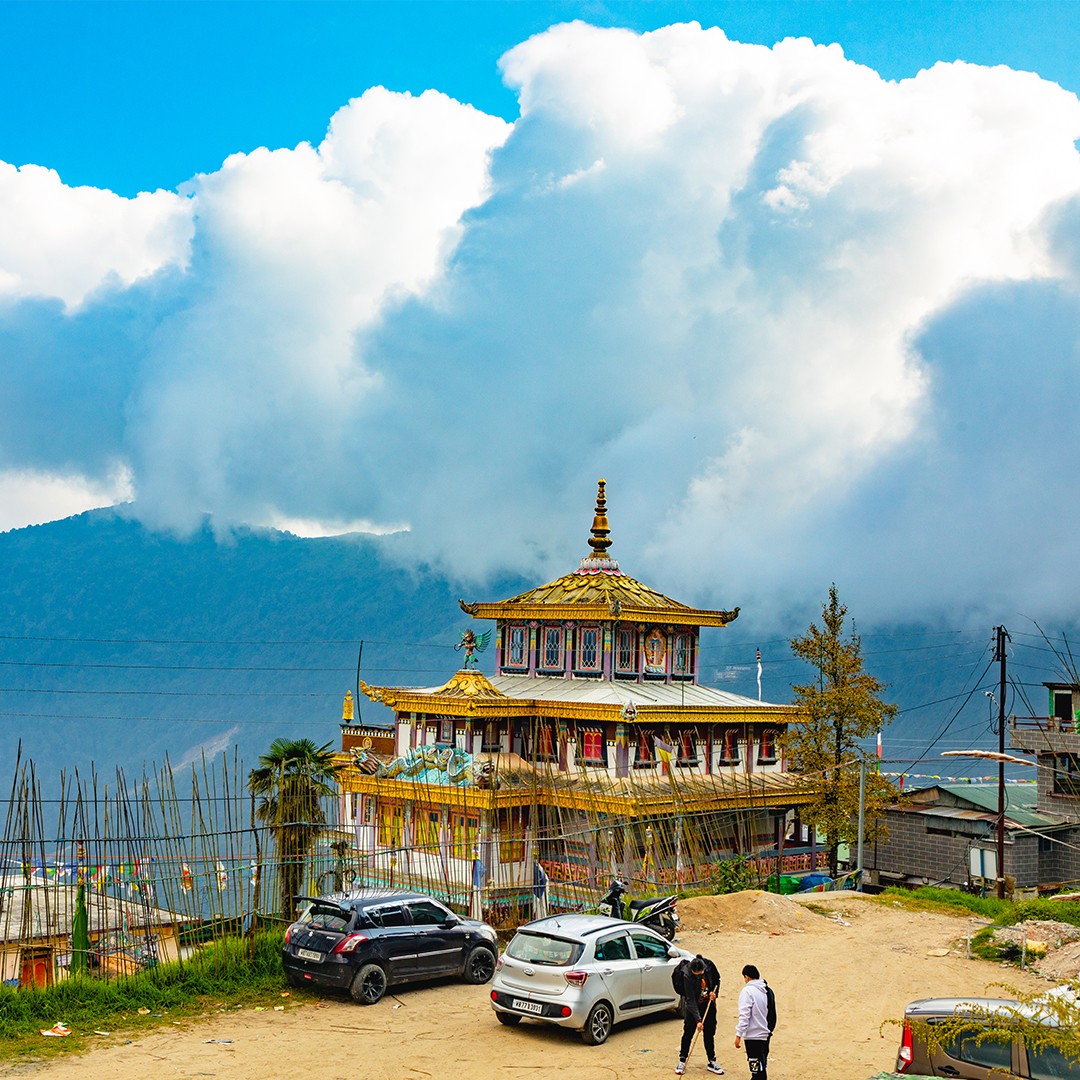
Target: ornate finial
{"type": "Point", "coordinates": [600, 540]}
{"type": "Point", "coordinates": [347, 708]}
{"type": "Point", "coordinates": [598, 561]}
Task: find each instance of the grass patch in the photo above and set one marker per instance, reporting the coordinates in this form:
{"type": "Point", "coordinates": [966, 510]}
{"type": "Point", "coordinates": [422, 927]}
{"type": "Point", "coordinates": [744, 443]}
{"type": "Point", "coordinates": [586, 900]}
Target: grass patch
{"type": "Point", "coordinates": [1002, 912]}
{"type": "Point", "coordinates": [229, 972]}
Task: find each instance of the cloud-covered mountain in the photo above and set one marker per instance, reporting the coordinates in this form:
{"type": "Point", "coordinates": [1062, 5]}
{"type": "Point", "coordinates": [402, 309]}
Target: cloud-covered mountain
{"type": "Point", "coordinates": [810, 324]}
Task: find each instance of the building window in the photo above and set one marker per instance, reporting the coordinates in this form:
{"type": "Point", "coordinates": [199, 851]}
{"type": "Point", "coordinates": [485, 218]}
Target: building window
{"type": "Point", "coordinates": [446, 730]}
{"type": "Point", "coordinates": [512, 839]}
{"type": "Point", "coordinates": [1067, 775]}
{"type": "Point", "coordinates": [767, 747]}
{"type": "Point", "coordinates": [682, 655]}
{"type": "Point", "coordinates": [687, 748]}
{"type": "Point", "coordinates": [551, 648]}
{"type": "Point", "coordinates": [644, 759]}
{"type": "Point", "coordinates": [625, 652]}
{"type": "Point", "coordinates": [465, 828]}
{"type": "Point", "coordinates": [592, 746]}
{"type": "Point", "coordinates": [655, 653]}
{"type": "Point", "coordinates": [428, 826]}
{"type": "Point", "coordinates": [515, 647]}
{"type": "Point", "coordinates": [588, 649]}
{"type": "Point", "coordinates": [491, 743]}
{"type": "Point", "coordinates": [545, 742]}
{"type": "Point", "coordinates": [729, 748]}
{"type": "Point", "coordinates": [391, 824]}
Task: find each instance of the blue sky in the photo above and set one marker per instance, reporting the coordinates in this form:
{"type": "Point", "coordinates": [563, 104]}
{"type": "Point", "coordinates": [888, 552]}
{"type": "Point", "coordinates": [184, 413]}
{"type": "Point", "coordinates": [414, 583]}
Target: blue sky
{"type": "Point", "coordinates": [134, 96]}
{"type": "Point", "coordinates": [812, 307]}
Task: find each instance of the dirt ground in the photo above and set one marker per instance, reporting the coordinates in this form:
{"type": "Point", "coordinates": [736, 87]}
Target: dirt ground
{"type": "Point", "coordinates": [837, 977]}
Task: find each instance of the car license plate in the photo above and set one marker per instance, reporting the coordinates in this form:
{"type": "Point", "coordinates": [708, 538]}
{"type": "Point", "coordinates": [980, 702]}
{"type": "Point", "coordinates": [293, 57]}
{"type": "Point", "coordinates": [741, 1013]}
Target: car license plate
{"type": "Point", "coordinates": [310, 954]}
{"type": "Point", "coordinates": [527, 1006]}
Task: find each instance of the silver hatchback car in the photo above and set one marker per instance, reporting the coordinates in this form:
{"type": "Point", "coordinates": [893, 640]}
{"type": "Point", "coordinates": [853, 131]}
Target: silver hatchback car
{"type": "Point", "coordinates": [585, 972]}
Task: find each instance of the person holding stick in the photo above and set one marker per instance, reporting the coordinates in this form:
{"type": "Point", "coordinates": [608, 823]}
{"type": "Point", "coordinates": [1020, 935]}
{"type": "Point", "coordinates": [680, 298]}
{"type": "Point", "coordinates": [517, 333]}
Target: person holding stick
{"type": "Point", "coordinates": [698, 981]}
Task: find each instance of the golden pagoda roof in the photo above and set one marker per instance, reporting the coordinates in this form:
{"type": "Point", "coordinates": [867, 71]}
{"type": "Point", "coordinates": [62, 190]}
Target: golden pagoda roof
{"type": "Point", "coordinates": [598, 590]}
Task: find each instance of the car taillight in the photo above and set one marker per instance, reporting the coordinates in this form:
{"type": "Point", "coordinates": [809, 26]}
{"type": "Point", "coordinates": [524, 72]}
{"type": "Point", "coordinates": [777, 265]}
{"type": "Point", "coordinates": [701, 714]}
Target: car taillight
{"type": "Point", "coordinates": [499, 964]}
{"type": "Point", "coordinates": [906, 1050]}
{"type": "Point", "coordinates": [348, 944]}
{"type": "Point", "coordinates": [494, 995]}
{"type": "Point", "coordinates": [576, 978]}
{"type": "Point", "coordinates": [288, 932]}
{"type": "Point", "coordinates": [566, 1011]}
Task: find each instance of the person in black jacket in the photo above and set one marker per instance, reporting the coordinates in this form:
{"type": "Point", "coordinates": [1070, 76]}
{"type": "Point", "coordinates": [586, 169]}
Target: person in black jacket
{"type": "Point", "coordinates": [700, 983]}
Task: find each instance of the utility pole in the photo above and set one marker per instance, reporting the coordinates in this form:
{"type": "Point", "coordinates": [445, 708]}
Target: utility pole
{"type": "Point", "coordinates": [1001, 635]}
{"type": "Point", "coordinates": [862, 821]}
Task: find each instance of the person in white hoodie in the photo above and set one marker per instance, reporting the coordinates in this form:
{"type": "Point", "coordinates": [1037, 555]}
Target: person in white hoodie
{"type": "Point", "coordinates": [752, 1027]}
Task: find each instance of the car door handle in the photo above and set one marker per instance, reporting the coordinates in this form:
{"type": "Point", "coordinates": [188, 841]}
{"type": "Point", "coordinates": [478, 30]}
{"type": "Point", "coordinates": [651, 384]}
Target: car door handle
{"type": "Point", "coordinates": [948, 1070]}
{"type": "Point", "coordinates": [607, 971]}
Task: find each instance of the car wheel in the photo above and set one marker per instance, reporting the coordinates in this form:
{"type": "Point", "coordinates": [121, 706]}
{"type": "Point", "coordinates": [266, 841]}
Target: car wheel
{"type": "Point", "coordinates": [369, 985]}
{"type": "Point", "coordinates": [479, 966]}
{"type": "Point", "coordinates": [509, 1019]}
{"type": "Point", "coordinates": [598, 1026]}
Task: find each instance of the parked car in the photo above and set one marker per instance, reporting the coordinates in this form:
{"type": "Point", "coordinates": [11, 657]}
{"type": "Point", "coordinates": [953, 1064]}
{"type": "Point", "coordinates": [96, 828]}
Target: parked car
{"type": "Point", "coordinates": [366, 940]}
{"type": "Point", "coordinates": [962, 1054]}
{"type": "Point", "coordinates": [584, 972]}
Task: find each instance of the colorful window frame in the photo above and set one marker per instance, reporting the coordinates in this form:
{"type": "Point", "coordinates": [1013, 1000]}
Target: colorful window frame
{"type": "Point", "coordinates": [491, 738]}
{"type": "Point", "coordinates": [626, 651]}
{"type": "Point", "coordinates": [428, 829]}
{"type": "Point", "coordinates": [589, 654]}
{"type": "Point", "coordinates": [516, 648]}
{"type": "Point", "coordinates": [687, 748]}
{"type": "Point", "coordinates": [464, 835]}
{"type": "Point", "coordinates": [591, 743]}
{"type": "Point", "coordinates": [729, 747]}
{"type": "Point", "coordinates": [551, 651]}
{"type": "Point", "coordinates": [391, 824]}
{"type": "Point", "coordinates": [545, 742]}
{"type": "Point", "coordinates": [766, 747]}
{"type": "Point", "coordinates": [682, 654]}
{"type": "Point", "coordinates": [644, 758]}
{"type": "Point", "coordinates": [512, 839]}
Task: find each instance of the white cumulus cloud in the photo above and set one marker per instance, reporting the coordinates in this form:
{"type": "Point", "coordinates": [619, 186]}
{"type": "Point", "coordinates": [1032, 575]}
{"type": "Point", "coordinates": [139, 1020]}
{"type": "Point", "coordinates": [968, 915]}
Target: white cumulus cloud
{"type": "Point", "coordinates": [768, 294]}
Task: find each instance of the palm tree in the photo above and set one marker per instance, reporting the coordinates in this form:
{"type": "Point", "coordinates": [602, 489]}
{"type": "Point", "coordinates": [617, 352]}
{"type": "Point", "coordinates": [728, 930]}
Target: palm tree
{"type": "Point", "coordinates": [293, 779]}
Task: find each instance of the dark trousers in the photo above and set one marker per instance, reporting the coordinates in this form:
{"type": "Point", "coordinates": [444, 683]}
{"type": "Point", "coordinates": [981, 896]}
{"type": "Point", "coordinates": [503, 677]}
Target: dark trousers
{"type": "Point", "coordinates": [757, 1056]}
{"type": "Point", "coordinates": [708, 1033]}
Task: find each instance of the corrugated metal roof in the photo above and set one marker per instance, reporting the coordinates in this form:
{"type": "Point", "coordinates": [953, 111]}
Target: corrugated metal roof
{"type": "Point", "coordinates": [617, 692]}
{"type": "Point", "coordinates": [1020, 802]}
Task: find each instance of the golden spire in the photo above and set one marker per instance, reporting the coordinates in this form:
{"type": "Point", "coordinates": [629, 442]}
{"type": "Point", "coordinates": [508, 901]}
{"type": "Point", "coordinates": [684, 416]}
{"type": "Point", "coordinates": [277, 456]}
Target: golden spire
{"type": "Point", "coordinates": [600, 540]}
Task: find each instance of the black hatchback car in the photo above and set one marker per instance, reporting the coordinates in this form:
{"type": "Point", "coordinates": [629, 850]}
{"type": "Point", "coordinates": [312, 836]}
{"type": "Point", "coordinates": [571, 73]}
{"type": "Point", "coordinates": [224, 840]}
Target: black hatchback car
{"type": "Point", "coordinates": [366, 940]}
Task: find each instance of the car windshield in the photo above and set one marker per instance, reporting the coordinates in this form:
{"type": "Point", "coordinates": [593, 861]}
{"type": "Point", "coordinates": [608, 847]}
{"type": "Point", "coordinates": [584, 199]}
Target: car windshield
{"type": "Point", "coordinates": [325, 917]}
{"type": "Point", "coordinates": [542, 949]}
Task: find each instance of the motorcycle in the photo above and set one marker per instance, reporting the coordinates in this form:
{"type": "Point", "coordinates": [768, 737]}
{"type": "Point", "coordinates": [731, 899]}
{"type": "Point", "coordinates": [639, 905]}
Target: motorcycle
{"type": "Point", "coordinates": [658, 913]}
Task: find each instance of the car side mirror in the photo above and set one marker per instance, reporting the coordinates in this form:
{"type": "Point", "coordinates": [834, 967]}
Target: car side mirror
{"type": "Point", "coordinates": [671, 954]}
{"type": "Point", "coordinates": [450, 921]}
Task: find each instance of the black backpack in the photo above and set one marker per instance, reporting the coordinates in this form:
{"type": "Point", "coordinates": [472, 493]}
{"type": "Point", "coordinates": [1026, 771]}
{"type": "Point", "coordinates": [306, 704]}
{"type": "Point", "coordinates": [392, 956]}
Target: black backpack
{"type": "Point", "coordinates": [770, 1008]}
{"type": "Point", "coordinates": [678, 976]}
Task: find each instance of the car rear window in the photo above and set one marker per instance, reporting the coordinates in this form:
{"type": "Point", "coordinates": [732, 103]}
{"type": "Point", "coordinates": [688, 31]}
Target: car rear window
{"type": "Point", "coordinates": [1049, 1063]}
{"type": "Point", "coordinates": [326, 918]}
{"type": "Point", "coordinates": [542, 949]}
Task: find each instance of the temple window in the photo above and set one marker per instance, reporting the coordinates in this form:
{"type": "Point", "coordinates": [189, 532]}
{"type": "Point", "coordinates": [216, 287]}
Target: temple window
{"type": "Point", "coordinates": [391, 824]}
{"type": "Point", "coordinates": [767, 747]}
{"type": "Point", "coordinates": [588, 648]}
{"type": "Point", "coordinates": [446, 730]}
{"type": "Point", "coordinates": [729, 751]}
{"type": "Point", "coordinates": [464, 829]}
{"type": "Point", "coordinates": [512, 839]}
{"type": "Point", "coordinates": [625, 652]}
{"type": "Point", "coordinates": [514, 654]}
{"type": "Point", "coordinates": [644, 759]}
{"type": "Point", "coordinates": [428, 826]}
{"type": "Point", "coordinates": [687, 749]}
{"type": "Point", "coordinates": [682, 654]}
{"type": "Point", "coordinates": [592, 746]}
{"type": "Point", "coordinates": [545, 742]}
{"type": "Point", "coordinates": [551, 648]}
{"type": "Point", "coordinates": [491, 743]}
